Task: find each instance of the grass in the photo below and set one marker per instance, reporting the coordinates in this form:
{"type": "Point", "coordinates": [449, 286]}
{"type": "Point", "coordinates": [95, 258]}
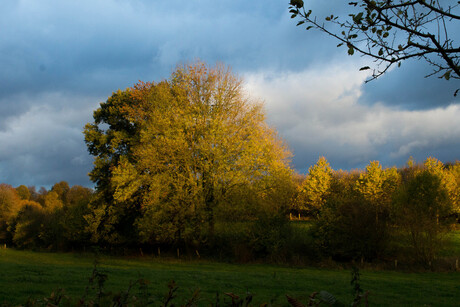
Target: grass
{"type": "Point", "coordinates": [454, 247]}
{"type": "Point", "coordinates": [26, 274]}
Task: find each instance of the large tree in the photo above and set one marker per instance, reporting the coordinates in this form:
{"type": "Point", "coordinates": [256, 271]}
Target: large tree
{"type": "Point", "coordinates": [391, 31]}
{"type": "Point", "coordinates": [173, 152]}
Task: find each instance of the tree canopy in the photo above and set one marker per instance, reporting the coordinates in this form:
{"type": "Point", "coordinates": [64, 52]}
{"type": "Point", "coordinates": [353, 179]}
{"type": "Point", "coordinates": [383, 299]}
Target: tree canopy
{"type": "Point", "coordinates": [174, 152]}
{"type": "Point", "coordinates": [391, 31]}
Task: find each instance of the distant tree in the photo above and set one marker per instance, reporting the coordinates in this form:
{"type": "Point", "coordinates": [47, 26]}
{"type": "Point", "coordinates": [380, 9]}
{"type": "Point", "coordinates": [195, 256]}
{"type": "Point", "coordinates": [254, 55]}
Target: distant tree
{"type": "Point", "coordinates": [422, 206]}
{"type": "Point", "coordinates": [377, 185]}
{"type": "Point", "coordinates": [392, 31]}
{"type": "Point", "coordinates": [313, 190]}
{"type": "Point", "coordinates": [448, 179]}
{"type": "Point", "coordinates": [345, 228]}
{"type": "Point", "coordinates": [73, 215]}
{"type": "Point", "coordinates": [454, 170]}
{"type": "Point", "coordinates": [27, 225]}
{"type": "Point", "coordinates": [23, 192]}
{"type": "Point", "coordinates": [52, 201]}
{"type": "Point", "coordinates": [10, 204]}
{"type": "Point", "coordinates": [61, 189]}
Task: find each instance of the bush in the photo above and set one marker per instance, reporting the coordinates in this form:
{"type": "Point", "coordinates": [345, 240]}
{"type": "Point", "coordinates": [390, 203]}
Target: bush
{"type": "Point", "coordinates": [422, 208]}
{"type": "Point", "coordinates": [346, 228]}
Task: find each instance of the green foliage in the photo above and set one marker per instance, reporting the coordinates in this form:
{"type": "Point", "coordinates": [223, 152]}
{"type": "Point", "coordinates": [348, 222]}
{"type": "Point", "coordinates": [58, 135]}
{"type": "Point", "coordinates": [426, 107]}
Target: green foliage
{"type": "Point", "coordinates": [109, 138]}
{"type": "Point", "coordinates": [422, 208]}
{"type": "Point", "coordinates": [27, 225]}
{"type": "Point", "coordinates": [346, 228]}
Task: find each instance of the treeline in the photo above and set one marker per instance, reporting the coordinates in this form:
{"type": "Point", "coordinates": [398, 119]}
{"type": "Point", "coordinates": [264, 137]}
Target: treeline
{"type": "Point", "coordinates": [380, 213]}
{"type": "Point", "coordinates": [54, 219]}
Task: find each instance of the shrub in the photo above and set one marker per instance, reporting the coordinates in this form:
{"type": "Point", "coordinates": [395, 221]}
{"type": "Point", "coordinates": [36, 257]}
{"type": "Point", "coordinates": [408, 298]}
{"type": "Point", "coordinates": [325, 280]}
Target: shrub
{"type": "Point", "coordinates": [422, 207]}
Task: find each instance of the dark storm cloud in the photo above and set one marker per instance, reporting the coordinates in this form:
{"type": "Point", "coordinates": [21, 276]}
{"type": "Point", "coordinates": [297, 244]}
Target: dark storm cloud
{"type": "Point", "coordinates": [45, 143]}
{"type": "Point", "coordinates": [408, 88]}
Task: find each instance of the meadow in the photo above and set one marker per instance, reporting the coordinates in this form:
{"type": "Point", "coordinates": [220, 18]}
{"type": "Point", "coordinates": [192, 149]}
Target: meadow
{"type": "Point", "coordinates": [25, 274]}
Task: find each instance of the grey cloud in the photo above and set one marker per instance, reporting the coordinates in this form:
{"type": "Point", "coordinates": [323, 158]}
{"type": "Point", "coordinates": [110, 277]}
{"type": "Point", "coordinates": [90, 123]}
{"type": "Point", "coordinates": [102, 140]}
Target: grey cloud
{"type": "Point", "coordinates": [324, 117]}
{"type": "Point", "coordinates": [45, 144]}
{"type": "Point", "coordinates": [408, 88]}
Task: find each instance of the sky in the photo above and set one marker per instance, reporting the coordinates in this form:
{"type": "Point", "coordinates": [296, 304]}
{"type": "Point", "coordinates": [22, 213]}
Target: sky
{"type": "Point", "coordinates": [60, 59]}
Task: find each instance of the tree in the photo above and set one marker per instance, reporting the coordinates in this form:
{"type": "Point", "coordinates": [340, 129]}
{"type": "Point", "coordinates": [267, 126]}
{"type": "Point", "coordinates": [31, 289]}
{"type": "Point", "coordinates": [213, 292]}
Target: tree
{"type": "Point", "coordinates": [454, 171]}
{"type": "Point", "coordinates": [177, 150]}
{"type": "Point", "coordinates": [448, 179]}
{"type": "Point", "coordinates": [61, 189]}
{"type": "Point", "coordinates": [377, 186]}
{"type": "Point", "coordinates": [313, 190]}
{"type": "Point", "coordinates": [109, 138]}
{"type": "Point", "coordinates": [345, 228]}
{"type": "Point", "coordinates": [23, 192]}
{"type": "Point", "coordinates": [422, 206]}
{"type": "Point", "coordinates": [10, 204]}
{"type": "Point", "coordinates": [392, 31]}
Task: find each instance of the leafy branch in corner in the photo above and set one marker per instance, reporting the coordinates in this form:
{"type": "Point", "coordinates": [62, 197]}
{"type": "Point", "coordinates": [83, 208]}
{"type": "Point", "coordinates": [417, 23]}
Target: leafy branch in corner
{"type": "Point", "coordinates": [392, 31]}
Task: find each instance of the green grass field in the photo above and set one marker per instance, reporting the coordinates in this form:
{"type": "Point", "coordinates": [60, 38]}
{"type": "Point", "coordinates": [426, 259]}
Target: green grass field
{"type": "Point", "coordinates": [26, 274]}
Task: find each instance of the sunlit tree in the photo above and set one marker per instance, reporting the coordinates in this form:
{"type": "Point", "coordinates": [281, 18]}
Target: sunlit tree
{"type": "Point", "coordinates": [313, 190]}
{"type": "Point", "coordinates": [447, 177]}
{"type": "Point", "coordinates": [178, 149]}
{"type": "Point", "coordinates": [418, 205]}
{"type": "Point", "coordinates": [377, 185]}
{"type": "Point", "coordinates": [10, 204]}
{"type": "Point", "coordinates": [23, 192]}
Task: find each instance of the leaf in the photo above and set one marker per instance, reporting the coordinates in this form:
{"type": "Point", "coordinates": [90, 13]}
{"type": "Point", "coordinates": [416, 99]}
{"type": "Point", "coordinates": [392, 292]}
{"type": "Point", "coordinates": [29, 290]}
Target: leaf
{"type": "Point", "coordinates": [309, 27]}
{"type": "Point", "coordinates": [447, 75]}
{"type": "Point", "coordinates": [300, 22]}
{"type": "Point", "coordinates": [351, 51]}
{"type": "Point", "coordinates": [364, 68]}
{"type": "Point", "coordinates": [339, 44]}
{"type": "Point", "coordinates": [381, 52]}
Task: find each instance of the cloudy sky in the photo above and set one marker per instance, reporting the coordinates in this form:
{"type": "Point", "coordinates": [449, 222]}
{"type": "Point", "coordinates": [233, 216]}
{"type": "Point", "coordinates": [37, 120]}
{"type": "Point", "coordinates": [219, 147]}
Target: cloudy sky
{"type": "Point", "coordinates": [60, 59]}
